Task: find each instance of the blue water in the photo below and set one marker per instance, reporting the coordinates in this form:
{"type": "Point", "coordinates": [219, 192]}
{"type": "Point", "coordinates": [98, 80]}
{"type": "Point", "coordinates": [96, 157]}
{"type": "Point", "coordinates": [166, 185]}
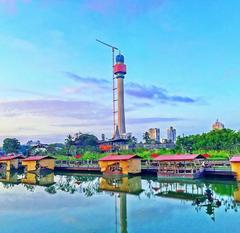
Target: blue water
{"type": "Point", "coordinates": [92, 204]}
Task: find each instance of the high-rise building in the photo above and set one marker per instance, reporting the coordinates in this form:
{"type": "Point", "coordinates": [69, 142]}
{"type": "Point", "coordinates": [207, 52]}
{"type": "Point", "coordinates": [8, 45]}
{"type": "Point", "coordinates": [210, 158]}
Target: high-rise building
{"type": "Point", "coordinates": [217, 125]}
{"type": "Point", "coordinates": [171, 134]}
{"type": "Point", "coordinates": [154, 134]}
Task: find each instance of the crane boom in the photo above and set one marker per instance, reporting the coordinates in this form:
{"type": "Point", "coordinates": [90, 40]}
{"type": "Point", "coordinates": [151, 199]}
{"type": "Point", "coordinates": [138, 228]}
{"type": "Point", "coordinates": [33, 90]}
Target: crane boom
{"type": "Point", "coordinates": [107, 44]}
{"type": "Point", "coordinates": [114, 89]}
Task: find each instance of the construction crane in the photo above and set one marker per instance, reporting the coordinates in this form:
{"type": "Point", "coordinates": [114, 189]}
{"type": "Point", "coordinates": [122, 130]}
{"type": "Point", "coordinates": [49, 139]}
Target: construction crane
{"type": "Point", "coordinates": [113, 82]}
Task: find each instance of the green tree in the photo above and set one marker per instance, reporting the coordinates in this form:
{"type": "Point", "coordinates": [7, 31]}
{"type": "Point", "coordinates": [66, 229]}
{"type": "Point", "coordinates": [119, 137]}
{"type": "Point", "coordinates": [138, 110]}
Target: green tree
{"type": "Point", "coordinates": [81, 143]}
{"type": "Point", "coordinates": [215, 140]}
{"type": "Point", "coordinates": [69, 141]}
{"type": "Point", "coordinates": [11, 145]}
{"type": "Point", "coordinates": [146, 137]}
{"type": "Point", "coordinates": [85, 140]}
{"type": "Point", "coordinates": [132, 142]}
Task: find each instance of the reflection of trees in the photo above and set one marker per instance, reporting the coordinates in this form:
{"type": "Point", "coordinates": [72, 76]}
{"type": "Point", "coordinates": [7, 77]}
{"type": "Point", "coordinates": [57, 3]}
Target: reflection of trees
{"type": "Point", "coordinates": [66, 184]}
{"type": "Point", "coordinates": [229, 204]}
{"type": "Point", "coordinates": [8, 185]}
{"type": "Point", "coordinates": [209, 207]}
{"type": "Point", "coordinates": [151, 188]}
{"type": "Point", "coordinates": [224, 189]}
{"type": "Point", "coordinates": [88, 185]}
{"type": "Point", "coordinates": [29, 187]}
{"type": "Point", "coordinates": [51, 189]}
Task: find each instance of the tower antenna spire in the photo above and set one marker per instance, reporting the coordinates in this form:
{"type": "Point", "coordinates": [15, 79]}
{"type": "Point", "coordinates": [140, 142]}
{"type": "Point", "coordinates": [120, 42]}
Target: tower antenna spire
{"type": "Point", "coordinates": [114, 89]}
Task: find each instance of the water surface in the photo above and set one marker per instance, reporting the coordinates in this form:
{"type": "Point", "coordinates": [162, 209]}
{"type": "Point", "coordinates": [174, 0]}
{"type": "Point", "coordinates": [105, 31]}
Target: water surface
{"type": "Point", "coordinates": [69, 203]}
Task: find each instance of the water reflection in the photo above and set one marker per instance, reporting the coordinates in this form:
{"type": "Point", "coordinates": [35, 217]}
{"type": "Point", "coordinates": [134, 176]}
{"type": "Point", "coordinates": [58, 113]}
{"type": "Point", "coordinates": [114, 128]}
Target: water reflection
{"type": "Point", "coordinates": [203, 197]}
{"type": "Point", "coordinates": [10, 178]}
{"type": "Point", "coordinates": [123, 186]}
{"type": "Point", "coordinates": [38, 179]}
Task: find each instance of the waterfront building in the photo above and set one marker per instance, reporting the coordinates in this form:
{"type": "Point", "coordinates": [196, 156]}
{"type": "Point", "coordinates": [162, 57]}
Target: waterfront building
{"type": "Point", "coordinates": [171, 135]}
{"type": "Point", "coordinates": [180, 166]}
{"type": "Point", "coordinates": [117, 143]}
{"type": "Point", "coordinates": [120, 164]}
{"type": "Point", "coordinates": [218, 125]}
{"type": "Point", "coordinates": [10, 162]}
{"type": "Point", "coordinates": [154, 134]}
{"type": "Point", "coordinates": [235, 165]}
{"type": "Point", "coordinates": [36, 163]}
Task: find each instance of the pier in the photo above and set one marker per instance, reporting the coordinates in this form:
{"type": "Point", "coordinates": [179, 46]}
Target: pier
{"type": "Point", "coordinates": [213, 169]}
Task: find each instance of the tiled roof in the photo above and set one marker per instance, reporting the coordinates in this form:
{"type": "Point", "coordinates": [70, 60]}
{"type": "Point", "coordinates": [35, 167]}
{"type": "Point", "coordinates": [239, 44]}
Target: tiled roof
{"type": "Point", "coordinates": [183, 157]}
{"type": "Point", "coordinates": [7, 158]}
{"type": "Point", "coordinates": [118, 157]}
{"type": "Point", "coordinates": [235, 158]}
{"type": "Point", "coordinates": [37, 158]}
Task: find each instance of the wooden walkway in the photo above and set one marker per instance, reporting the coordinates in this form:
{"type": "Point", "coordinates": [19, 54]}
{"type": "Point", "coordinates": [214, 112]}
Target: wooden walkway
{"type": "Point", "coordinates": [219, 169]}
{"type": "Point", "coordinates": [77, 166]}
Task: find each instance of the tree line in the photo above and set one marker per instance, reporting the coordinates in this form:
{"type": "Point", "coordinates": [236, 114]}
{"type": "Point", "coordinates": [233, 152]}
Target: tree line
{"type": "Point", "coordinates": [217, 140]}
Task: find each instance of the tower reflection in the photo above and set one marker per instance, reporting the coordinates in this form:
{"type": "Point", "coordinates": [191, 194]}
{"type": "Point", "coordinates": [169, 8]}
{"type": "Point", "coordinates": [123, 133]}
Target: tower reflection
{"type": "Point", "coordinates": [121, 186]}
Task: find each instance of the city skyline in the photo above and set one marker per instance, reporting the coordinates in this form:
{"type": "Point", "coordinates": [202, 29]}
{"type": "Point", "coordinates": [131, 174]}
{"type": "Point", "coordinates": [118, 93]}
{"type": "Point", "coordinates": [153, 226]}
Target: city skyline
{"type": "Point", "coordinates": [55, 79]}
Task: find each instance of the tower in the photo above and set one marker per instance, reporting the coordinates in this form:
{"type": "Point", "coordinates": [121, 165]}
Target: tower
{"type": "Point", "coordinates": [119, 72]}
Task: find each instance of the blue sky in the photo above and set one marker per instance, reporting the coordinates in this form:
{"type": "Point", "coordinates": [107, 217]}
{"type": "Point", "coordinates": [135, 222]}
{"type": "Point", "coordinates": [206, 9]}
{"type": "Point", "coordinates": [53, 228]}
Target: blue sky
{"type": "Point", "coordinates": [182, 59]}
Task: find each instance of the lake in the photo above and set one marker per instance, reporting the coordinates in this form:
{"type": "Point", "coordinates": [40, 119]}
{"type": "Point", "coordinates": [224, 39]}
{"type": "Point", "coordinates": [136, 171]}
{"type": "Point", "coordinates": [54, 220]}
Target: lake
{"type": "Point", "coordinates": [70, 203]}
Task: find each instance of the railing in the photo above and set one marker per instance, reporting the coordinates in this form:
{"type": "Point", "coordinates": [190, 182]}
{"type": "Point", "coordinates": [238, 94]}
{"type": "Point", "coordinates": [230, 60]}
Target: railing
{"type": "Point", "coordinates": [76, 164]}
{"type": "Point", "coordinates": [213, 165]}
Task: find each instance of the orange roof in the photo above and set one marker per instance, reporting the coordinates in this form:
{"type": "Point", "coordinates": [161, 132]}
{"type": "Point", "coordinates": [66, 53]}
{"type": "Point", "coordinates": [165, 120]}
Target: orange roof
{"type": "Point", "coordinates": [118, 157]}
{"type": "Point", "coordinates": [37, 158]}
{"type": "Point", "coordinates": [184, 157]}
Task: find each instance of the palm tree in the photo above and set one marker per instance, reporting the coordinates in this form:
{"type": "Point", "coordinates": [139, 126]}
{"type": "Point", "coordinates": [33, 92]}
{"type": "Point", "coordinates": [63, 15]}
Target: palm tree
{"type": "Point", "coordinates": [69, 141]}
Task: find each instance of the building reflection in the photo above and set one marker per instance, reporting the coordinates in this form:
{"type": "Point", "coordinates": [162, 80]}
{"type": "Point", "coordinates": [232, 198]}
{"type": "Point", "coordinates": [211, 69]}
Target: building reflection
{"type": "Point", "coordinates": [121, 186]}
{"type": "Point", "coordinates": [180, 190]}
{"type": "Point", "coordinates": [236, 193]}
{"type": "Point", "coordinates": [204, 195]}
{"type": "Point", "coordinates": [10, 177]}
{"type": "Point", "coordinates": [38, 179]}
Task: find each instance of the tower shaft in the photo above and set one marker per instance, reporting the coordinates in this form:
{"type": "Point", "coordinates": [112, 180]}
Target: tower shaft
{"type": "Point", "coordinates": [119, 72]}
{"type": "Point", "coordinates": [121, 112]}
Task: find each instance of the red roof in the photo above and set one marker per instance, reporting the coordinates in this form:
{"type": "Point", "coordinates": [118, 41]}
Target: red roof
{"type": "Point", "coordinates": [7, 158]}
{"type": "Point", "coordinates": [184, 157]}
{"type": "Point", "coordinates": [37, 158]}
{"type": "Point", "coordinates": [154, 155]}
{"type": "Point", "coordinates": [118, 157]}
{"type": "Point", "coordinates": [235, 159]}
